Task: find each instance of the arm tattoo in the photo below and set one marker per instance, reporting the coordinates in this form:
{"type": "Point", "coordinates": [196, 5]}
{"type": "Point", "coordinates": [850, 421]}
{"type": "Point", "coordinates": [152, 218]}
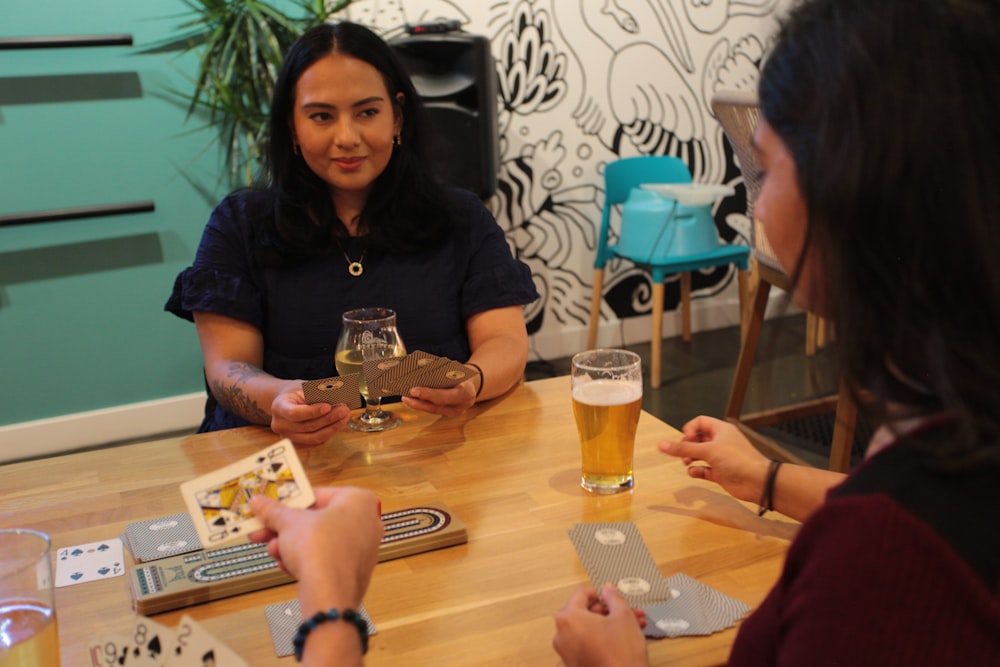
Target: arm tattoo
{"type": "Point", "coordinates": [231, 396]}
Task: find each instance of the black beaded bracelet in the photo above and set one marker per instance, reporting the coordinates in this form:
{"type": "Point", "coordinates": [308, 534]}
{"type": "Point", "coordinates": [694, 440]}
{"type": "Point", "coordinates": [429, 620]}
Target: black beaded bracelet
{"type": "Point", "coordinates": [767, 496]}
{"type": "Point", "coordinates": [309, 625]}
{"type": "Point", "coordinates": [482, 378]}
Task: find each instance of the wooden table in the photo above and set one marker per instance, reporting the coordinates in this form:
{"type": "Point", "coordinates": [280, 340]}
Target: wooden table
{"type": "Point", "coordinates": [509, 469]}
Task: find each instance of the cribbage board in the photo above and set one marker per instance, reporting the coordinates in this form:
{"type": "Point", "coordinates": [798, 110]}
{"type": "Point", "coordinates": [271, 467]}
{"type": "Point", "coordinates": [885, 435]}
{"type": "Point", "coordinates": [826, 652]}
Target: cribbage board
{"type": "Point", "coordinates": [213, 574]}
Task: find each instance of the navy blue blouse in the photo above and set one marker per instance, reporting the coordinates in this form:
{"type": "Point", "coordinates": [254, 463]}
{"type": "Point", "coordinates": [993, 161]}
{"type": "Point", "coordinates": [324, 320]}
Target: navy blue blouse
{"type": "Point", "coordinates": [298, 308]}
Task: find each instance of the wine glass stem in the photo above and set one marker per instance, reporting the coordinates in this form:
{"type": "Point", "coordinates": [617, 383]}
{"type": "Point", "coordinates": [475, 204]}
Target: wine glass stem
{"type": "Point", "coordinates": [373, 406]}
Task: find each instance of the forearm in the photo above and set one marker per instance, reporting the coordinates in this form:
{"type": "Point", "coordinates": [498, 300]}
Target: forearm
{"type": "Point", "coordinates": [244, 389]}
{"type": "Point", "coordinates": [800, 490]}
{"type": "Point", "coordinates": [502, 360]}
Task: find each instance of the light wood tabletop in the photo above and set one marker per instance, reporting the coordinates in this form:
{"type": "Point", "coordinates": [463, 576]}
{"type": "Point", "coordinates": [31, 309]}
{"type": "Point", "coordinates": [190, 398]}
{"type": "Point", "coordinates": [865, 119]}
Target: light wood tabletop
{"type": "Point", "coordinates": [509, 468]}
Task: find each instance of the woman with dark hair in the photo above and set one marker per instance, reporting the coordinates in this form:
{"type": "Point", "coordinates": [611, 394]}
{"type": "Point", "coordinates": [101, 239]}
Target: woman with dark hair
{"type": "Point", "coordinates": [878, 140]}
{"type": "Point", "coordinates": [347, 216]}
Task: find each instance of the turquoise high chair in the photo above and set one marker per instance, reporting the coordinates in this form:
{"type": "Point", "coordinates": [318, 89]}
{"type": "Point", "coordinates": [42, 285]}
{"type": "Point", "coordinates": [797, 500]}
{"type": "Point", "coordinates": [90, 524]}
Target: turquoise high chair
{"type": "Point", "coordinates": [622, 181]}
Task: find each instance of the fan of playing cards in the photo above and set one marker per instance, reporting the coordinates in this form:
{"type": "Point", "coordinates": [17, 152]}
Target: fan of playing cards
{"type": "Point", "coordinates": [390, 376]}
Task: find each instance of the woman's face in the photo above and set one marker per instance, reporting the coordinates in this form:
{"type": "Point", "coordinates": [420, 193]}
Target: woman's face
{"type": "Point", "coordinates": [784, 218]}
{"type": "Point", "coordinates": [344, 122]}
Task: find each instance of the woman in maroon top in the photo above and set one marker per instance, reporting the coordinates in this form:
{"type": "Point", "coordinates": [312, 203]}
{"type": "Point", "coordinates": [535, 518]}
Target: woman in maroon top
{"type": "Point", "coordinates": [879, 142]}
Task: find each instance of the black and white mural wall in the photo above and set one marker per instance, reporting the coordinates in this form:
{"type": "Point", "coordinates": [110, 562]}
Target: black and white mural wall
{"type": "Point", "coordinates": [586, 82]}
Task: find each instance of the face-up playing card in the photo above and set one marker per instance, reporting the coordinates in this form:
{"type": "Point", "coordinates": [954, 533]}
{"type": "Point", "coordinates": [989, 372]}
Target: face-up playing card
{"type": "Point", "coordinates": [193, 645]}
{"type": "Point", "coordinates": [284, 618]}
{"type": "Point", "coordinates": [108, 651]}
{"type": "Point", "coordinates": [89, 562]}
{"type": "Point", "coordinates": [334, 390]}
{"type": "Point", "coordinates": [150, 644]}
{"type": "Point", "coordinates": [219, 502]}
{"type": "Point", "coordinates": [695, 609]}
{"type": "Point", "coordinates": [162, 537]}
{"type": "Point", "coordinates": [615, 553]}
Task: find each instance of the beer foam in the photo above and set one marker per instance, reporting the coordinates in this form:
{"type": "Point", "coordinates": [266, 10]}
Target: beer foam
{"type": "Point", "coordinates": [607, 392]}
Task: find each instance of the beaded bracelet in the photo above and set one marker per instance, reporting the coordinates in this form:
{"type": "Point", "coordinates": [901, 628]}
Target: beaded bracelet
{"type": "Point", "coordinates": [482, 378]}
{"type": "Point", "coordinates": [767, 497]}
{"type": "Point", "coordinates": [309, 625]}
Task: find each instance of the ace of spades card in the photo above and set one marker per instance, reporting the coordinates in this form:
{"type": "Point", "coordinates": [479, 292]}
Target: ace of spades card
{"type": "Point", "coordinates": [219, 502]}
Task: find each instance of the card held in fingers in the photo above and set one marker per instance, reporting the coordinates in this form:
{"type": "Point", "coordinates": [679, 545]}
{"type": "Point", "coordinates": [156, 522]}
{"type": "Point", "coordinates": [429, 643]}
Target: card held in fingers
{"type": "Point", "coordinates": [334, 390]}
{"type": "Point", "coordinates": [219, 502]}
{"type": "Point", "coordinates": [443, 376]}
{"type": "Point", "coordinates": [616, 553]}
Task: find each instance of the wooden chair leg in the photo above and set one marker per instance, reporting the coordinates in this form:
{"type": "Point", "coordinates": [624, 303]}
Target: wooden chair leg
{"type": "Point", "coordinates": [812, 334]}
{"type": "Point", "coordinates": [655, 365]}
{"type": "Point", "coordinates": [822, 333]}
{"type": "Point", "coordinates": [748, 350]}
{"type": "Point", "coordinates": [686, 306]}
{"type": "Point", "coordinates": [843, 431]}
{"type": "Point", "coordinates": [743, 282]}
{"type": "Point", "coordinates": [596, 296]}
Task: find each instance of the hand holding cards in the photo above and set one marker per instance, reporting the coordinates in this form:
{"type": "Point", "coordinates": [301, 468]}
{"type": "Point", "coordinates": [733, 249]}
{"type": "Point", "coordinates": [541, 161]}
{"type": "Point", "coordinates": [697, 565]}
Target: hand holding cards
{"type": "Point", "coordinates": [388, 376]}
{"type": "Point", "coordinates": [219, 502]}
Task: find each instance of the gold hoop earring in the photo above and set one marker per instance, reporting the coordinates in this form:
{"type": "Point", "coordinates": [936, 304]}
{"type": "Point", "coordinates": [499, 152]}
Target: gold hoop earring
{"type": "Point", "coordinates": [397, 140]}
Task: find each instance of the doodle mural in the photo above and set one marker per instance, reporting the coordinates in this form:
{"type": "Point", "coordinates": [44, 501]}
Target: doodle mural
{"type": "Point", "coordinates": [585, 82]}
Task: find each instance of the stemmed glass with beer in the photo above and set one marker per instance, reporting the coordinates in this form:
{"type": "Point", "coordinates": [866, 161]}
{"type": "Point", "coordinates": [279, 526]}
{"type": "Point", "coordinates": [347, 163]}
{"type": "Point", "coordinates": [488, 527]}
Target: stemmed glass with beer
{"type": "Point", "coordinates": [607, 400]}
{"type": "Point", "coordinates": [368, 333]}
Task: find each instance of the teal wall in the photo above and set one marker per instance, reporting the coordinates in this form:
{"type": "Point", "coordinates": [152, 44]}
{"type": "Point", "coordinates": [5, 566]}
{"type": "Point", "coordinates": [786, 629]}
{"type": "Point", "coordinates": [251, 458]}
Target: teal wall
{"type": "Point", "coordinates": [82, 324]}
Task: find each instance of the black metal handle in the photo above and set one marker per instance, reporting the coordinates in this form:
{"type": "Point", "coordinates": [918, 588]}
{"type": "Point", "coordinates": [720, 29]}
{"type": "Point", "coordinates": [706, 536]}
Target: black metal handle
{"type": "Point", "coordinates": [64, 41]}
{"type": "Point", "coordinates": [76, 213]}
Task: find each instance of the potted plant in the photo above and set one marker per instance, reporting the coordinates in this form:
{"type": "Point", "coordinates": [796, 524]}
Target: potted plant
{"type": "Point", "coordinates": [242, 44]}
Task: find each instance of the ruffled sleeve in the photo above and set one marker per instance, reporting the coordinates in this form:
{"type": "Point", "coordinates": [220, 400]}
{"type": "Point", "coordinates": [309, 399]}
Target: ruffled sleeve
{"type": "Point", "coordinates": [224, 278]}
{"type": "Point", "coordinates": [495, 279]}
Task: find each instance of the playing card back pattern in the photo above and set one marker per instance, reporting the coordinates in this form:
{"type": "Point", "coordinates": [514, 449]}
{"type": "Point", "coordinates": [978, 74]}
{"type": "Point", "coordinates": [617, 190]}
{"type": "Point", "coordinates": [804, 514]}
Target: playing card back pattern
{"type": "Point", "coordinates": [213, 574]}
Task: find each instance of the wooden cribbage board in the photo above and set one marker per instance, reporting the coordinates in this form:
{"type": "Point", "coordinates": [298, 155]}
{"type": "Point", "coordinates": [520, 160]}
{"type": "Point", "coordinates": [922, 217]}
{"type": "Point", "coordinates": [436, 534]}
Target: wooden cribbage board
{"type": "Point", "coordinates": [241, 567]}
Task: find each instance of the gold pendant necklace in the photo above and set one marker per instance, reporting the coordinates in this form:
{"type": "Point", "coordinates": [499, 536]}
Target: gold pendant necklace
{"type": "Point", "coordinates": [355, 268]}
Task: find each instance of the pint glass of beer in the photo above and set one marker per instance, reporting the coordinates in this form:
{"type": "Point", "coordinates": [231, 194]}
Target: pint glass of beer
{"type": "Point", "coordinates": [28, 634]}
{"type": "Point", "coordinates": [607, 399]}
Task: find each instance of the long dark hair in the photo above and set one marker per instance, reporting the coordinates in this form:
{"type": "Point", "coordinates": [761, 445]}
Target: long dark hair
{"type": "Point", "coordinates": [890, 110]}
{"type": "Point", "coordinates": [406, 210]}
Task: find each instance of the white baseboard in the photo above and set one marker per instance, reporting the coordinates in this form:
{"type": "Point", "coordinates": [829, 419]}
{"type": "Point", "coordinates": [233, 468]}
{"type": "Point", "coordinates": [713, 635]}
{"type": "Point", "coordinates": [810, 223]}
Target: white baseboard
{"type": "Point", "coordinates": [66, 433]}
{"type": "Point", "coordinates": [706, 315]}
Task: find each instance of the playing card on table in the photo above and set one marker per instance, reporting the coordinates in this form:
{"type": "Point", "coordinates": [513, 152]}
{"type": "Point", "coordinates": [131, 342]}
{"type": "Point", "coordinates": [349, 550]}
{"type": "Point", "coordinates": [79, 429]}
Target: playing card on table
{"type": "Point", "coordinates": [89, 562]}
{"type": "Point", "coordinates": [695, 609]}
{"type": "Point", "coordinates": [334, 390]}
{"type": "Point", "coordinates": [284, 619]}
{"type": "Point", "coordinates": [162, 537]}
{"type": "Point", "coordinates": [219, 502]}
{"type": "Point", "coordinates": [615, 553]}
{"type": "Point", "coordinates": [194, 645]}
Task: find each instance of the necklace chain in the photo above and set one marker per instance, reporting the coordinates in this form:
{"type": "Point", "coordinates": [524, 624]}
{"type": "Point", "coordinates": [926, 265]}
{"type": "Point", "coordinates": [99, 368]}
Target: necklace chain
{"type": "Point", "coordinates": [355, 268]}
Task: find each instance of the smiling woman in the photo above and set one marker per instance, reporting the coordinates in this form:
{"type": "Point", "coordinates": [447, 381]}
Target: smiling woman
{"type": "Point", "coordinates": [347, 216]}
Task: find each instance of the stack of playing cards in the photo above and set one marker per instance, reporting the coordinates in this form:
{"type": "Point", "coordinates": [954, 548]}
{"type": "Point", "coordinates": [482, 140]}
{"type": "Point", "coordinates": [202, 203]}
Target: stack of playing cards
{"type": "Point", "coordinates": [166, 536]}
{"type": "Point", "coordinates": [389, 376]}
{"type": "Point", "coordinates": [155, 645]}
{"type": "Point", "coordinates": [284, 620]}
{"type": "Point", "coordinates": [616, 553]}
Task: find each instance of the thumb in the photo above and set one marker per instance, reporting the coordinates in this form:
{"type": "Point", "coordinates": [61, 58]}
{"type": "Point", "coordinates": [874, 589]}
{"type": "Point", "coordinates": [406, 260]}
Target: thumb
{"type": "Point", "coordinates": [614, 600]}
{"type": "Point", "coordinates": [268, 510]}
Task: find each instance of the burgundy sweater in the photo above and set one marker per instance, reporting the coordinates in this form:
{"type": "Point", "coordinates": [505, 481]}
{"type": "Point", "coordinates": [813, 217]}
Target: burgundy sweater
{"type": "Point", "coordinates": [900, 566]}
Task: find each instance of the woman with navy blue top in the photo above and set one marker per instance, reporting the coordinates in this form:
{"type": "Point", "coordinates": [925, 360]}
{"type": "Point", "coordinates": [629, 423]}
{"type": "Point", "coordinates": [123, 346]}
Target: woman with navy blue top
{"type": "Point", "coordinates": [348, 217]}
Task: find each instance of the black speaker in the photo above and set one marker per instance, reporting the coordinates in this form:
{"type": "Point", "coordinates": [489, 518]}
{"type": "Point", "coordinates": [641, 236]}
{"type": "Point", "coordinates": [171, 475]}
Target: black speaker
{"type": "Point", "coordinates": [455, 75]}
